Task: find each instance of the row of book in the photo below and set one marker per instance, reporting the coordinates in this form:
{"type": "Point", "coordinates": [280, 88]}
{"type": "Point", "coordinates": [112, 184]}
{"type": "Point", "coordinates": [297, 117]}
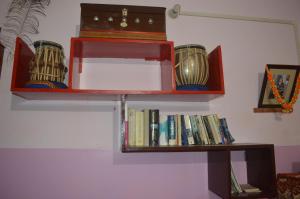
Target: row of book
{"type": "Point", "coordinates": [149, 127]}
{"type": "Point", "coordinates": [237, 188]}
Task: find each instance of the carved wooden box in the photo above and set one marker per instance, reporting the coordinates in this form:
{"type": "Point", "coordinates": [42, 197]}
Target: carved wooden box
{"type": "Point", "coordinates": [122, 21]}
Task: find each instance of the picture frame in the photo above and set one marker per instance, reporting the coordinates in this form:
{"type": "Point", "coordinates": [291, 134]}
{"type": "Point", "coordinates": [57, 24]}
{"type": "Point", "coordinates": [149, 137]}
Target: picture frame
{"type": "Point", "coordinates": [285, 77]}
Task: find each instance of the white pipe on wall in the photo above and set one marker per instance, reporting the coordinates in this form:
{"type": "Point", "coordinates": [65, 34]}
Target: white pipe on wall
{"type": "Point", "coordinates": [176, 11]}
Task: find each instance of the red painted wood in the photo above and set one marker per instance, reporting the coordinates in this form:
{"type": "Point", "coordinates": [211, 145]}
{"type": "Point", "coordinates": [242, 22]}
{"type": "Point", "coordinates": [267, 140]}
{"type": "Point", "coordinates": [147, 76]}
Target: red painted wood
{"type": "Point", "coordinates": [74, 54]}
{"type": "Point", "coordinates": [121, 48]}
{"type": "Point", "coordinates": [216, 78]}
{"type": "Point", "coordinates": [22, 57]}
{"type": "Point", "coordinates": [81, 48]}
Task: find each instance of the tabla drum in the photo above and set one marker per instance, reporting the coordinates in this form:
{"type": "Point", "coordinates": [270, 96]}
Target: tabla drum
{"type": "Point", "coordinates": [191, 65]}
{"type": "Point", "coordinates": [47, 69]}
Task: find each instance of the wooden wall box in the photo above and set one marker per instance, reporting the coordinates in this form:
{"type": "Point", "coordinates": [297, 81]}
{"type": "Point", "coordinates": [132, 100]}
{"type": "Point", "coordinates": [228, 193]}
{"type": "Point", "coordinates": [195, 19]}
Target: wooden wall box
{"type": "Point", "coordinates": [123, 21]}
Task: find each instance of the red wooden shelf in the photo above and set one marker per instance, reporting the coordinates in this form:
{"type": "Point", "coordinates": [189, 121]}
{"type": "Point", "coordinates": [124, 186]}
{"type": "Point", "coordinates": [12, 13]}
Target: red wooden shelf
{"type": "Point", "coordinates": [81, 48]}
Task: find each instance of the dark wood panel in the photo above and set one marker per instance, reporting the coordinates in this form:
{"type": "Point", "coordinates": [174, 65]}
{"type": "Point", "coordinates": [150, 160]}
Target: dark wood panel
{"type": "Point", "coordinates": [22, 57]}
{"type": "Point", "coordinates": [261, 170]}
{"type": "Point", "coordinates": [196, 148]}
{"type": "Point", "coordinates": [218, 166]}
{"type": "Point", "coordinates": [267, 110]}
{"type": "Point", "coordinates": [110, 19]}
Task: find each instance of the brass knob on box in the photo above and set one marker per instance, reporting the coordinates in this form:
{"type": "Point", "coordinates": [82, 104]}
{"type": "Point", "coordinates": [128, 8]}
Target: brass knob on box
{"type": "Point", "coordinates": [110, 19]}
{"type": "Point", "coordinates": [137, 20]}
{"type": "Point", "coordinates": [96, 18]}
{"type": "Point", "coordinates": [123, 23]}
{"type": "Point", "coordinates": [150, 21]}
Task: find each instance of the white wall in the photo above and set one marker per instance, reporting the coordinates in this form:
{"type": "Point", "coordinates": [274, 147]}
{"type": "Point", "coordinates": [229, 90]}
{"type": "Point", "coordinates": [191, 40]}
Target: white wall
{"type": "Point", "coordinates": [247, 47]}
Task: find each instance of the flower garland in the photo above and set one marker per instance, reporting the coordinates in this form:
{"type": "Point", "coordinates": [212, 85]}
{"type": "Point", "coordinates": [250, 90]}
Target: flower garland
{"type": "Point", "coordinates": [287, 107]}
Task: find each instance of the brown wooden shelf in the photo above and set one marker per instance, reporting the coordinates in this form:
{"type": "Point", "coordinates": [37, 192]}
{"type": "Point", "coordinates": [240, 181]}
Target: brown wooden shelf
{"type": "Point", "coordinates": [260, 165]}
{"type": "Point", "coordinates": [267, 110]}
{"type": "Point", "coordinates": [195, 148]}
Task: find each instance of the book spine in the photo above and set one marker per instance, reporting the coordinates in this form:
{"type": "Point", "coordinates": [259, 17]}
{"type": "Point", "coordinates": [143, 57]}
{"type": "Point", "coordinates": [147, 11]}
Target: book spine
{"type": "Point", "coordinates": [163, 130]}
{"type": "Point", "coordinates": [218, 129]}
{"type": "Point", "coordinates": [214, 129]}
{"type": "Point", "coordinates": [195, 130]}
{"type": "Point", "coordinates": [146, 127]}
{"type": "Point", "coordinates": [126, 138]}
{"type": "Point", "coordinates": [131, 127]}
{"type": "Point", "coordinates": [208, 129]}
{"type": "Point", "coordinates": [203, 130]}
{"type": "Point", "coordinates": [154, 127]}
{"type": "Point", "coordinates": [200, 131]}
{"type": "Point", "coordinates": [226, 131]}
{"type": "Point", "coordinates": [221, 132]}
{"type": "Point", "coordinates": [171, 130]}
{"type": "Point", "coordinates": [183, 131]}
{"type": "Point", "coordinates": [139, 128]}
{"type": "Point", "coordinates": [237, 187]}
{"type": "Point", "coordinates": [124, 122]}
{"type": "Point", "coordinates": [178, 130]}
{"type": "Point", "coordinates": [188, 128]}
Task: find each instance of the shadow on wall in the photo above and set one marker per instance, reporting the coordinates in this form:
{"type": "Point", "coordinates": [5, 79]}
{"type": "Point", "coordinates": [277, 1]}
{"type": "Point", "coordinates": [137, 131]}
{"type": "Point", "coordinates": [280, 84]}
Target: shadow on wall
{"type": "Point", "coordinates": [20, 104]}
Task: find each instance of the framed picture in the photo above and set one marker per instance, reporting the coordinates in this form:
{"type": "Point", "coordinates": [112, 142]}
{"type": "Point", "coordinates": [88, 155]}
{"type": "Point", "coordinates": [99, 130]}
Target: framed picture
{"type": "Point", "coordinates": [285, 78]}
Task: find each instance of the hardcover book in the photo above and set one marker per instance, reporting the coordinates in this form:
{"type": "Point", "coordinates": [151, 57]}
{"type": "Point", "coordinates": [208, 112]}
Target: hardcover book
{"type": "Point", "coordinates": [214, 129]}
{"type": "Point", "coordinates": [235, 188]}
{"type": "Point", "coordinates": [154, 127]}
{"type": "Point", "coordinates": [178, 130]}
{"type": "Point", "coordinates": [163, 130]}
{"type": "Point", "coordinates": [218, 129]}
{"type": "Point", "coordinates": [195, 130]}
{"type": "Point", "coordinates": [146, 127]}
{"type": "Point", "coordinates": [248, 188]}
{"type": "Point", "coordinates": [202, 130]}
{"type": "Point", "coordinates": [139, 128]}
{"type": "Point", "coordinates": [131, 127]}
{"type": "Point", "coordinates": [183, 132]}
{"type": "Point", "coordinates": [209, 131]}
{"type": "Point", "coordinates": [171, 130]}
{"type": "Point", "coordinates": [124, 123]}
{"type": "Point", "coordinates": [188, 128]}
{"type": "Point", "coordinates": [227, 134]}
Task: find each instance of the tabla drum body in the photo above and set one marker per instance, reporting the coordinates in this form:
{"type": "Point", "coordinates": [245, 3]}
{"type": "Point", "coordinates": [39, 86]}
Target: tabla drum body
{"type": "Point", "coordinates": [192, 69]}
{"type": "Point", "coordinates": [47, 69]}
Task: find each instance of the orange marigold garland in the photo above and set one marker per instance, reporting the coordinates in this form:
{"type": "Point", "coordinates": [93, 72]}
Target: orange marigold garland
{"type": "Point", "coordinates": [287, 107]}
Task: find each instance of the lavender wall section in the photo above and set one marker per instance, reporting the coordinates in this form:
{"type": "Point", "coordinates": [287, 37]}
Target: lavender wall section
{"type": "Point", "coordinates": [82, 174]}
